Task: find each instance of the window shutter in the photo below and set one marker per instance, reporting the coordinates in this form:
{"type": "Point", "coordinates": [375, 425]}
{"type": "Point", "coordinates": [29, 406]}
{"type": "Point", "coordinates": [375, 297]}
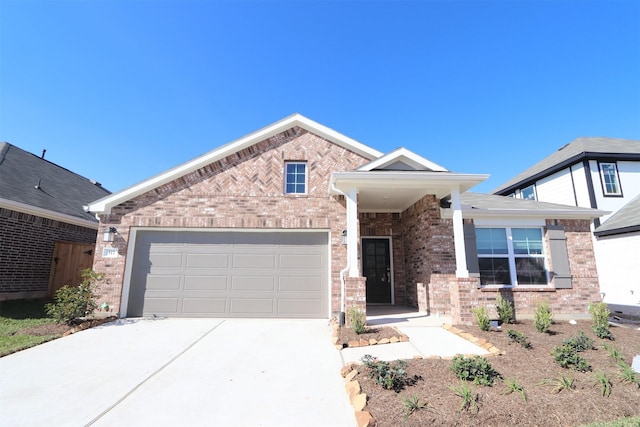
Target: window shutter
{"type": "Point", "coordinates": [561, 273]}
{"type": "Point", "coordinates": [471, 249]}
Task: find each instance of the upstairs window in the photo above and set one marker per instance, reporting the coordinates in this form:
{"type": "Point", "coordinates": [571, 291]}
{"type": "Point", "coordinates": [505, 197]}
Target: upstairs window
{"type": "Point", "coordinates": [610, 180]}
{"type": "Point", "coordinates": [528, 193]}
{"type": "Point", "coordinates": [511, 256]}
{"type": "Point", "coordinates": [295, 177]}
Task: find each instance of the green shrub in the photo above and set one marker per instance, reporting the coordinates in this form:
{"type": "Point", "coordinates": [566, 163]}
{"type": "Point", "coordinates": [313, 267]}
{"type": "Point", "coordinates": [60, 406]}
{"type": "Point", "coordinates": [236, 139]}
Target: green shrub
{"type": "Point", "coordinates": [627, 374]}
{"type": "Point", "coordinates": [391, 377]}
{"type": "Point", "coordinates": [469, 397]}
{"type": "Point", "coordinates": [482, 318]}
{"type": "Point", "coordinates": [70, 303]}
{"type": "Point", "coordinates": [357, 320]}
{"type": "Point", "coordinates": [600, 320]}
{"type": "Point", "coordinates": [543, 317]}
{"type": "Point", "coordinates": [567, 356]}
{"type": "Point", "coordinates": [613, 352]}
{"type": "Point", "coordinates": [476, 369]}
{"type": "Point", "coordinates": [579, 342]}
{"type": "Point", "coordinates": [505, 311]}
{"type": "Point", "coordinates": [519, 337]}
{"type": "Point", "coordinates": [605, 383]}
{"type": "Point", "coordinates": [512, 386]}
{"type": "Point", "coordinates": [560, 383]}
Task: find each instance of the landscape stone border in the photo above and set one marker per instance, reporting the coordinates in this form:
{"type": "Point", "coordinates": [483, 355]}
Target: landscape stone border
{"type": "Point", "coordinates": [363, 342]}
{"type": "Point", "coordinates": [492, 349]}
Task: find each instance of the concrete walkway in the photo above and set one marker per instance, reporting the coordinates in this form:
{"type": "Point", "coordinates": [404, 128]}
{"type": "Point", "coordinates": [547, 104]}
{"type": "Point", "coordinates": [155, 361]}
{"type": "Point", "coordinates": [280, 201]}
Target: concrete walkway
{"type": "Point", "coordinates": [170, 372]}
{"type": "Point", "coordinates": [426, 336]}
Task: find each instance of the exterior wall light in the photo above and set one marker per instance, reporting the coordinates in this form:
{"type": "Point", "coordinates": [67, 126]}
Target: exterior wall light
{"type": "Point", "coordinates": [109, 234]}
{"type": "Point", "coordinates": [344, 237]}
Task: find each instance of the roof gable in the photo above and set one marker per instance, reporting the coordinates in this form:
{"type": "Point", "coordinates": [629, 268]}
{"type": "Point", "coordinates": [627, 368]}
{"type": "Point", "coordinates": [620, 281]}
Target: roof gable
{"type": "Point", "coordinates": [29, 183]}
{"type": "Point", "coordinates": [575, 151]}
{"type": "Point", "coordinates": [402, 159]}
{"type": "Point", "coordinates": [625, 220]}
{"type": "Point", "coordinates": [105, 204]}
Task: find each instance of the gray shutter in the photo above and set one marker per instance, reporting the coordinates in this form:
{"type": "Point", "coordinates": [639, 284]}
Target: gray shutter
{"type": "Point", "coordinates": [471, 249]}
{"type": "Point", "coordinates": [559, 257]}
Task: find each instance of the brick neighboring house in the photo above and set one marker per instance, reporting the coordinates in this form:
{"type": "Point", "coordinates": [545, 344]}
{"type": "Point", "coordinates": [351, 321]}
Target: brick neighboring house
{"type": "Point", "coordinates": [298, 220]}
{"type": "Point", "coordinates": [41, 212]}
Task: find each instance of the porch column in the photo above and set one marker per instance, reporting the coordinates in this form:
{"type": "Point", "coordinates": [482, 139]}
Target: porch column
{"type": "Point", "coordinates": [352, 232]}
{"type": "Point", "coordinates": [458, 235]}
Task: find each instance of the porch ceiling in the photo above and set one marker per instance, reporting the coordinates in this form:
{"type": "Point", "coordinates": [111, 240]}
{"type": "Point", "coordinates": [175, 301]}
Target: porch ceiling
{"type": "Point", "coordinates": [395, 191]}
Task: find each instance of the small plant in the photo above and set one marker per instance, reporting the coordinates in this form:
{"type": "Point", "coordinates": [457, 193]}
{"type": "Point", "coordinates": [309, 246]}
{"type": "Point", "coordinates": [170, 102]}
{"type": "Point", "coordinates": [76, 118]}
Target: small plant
{"type": "Point", "coordinates": [543, 317]}
{"type": "Point", "coordinates": [412, 404]}
{"type": "Point", "coordinates": [71, 303]}
{"type": "Point", "coordinates": [504, 308]}
{"type": "Point", "coordinates": [390, 377]}
{"type": "Point", "coordinates": [579, 342]}
{"type": "Point", "coordinates": [600, 320]}
{"type": "Point", "coordinates": [519, 337]}
{"type": "Point", "coordinates": [482, 318]}
{"type": "Point", "coordinates": [613, 352]}
{"type": "Point", "coordinates": [513, 386]}
{"type": "Point", "coordinates": [469, 397]}
{"type": "Point", "coordinates": [605, 383]}
{"type": "Point", "coordinates": [627, 374]}
{"type": "Point", "coordinates": [567, 356]}
{"type": "Point", "coordinates": [561, 383]}
{"type": "Point", "coordinates": [476, 369]}
{"type": "Point", "coordinates": [357, 320]}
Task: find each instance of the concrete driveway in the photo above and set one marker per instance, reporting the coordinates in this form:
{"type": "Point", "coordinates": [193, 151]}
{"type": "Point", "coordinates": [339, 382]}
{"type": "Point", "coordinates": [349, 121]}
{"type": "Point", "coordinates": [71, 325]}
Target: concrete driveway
{"type": "Point", "coordinates": [170, 372]}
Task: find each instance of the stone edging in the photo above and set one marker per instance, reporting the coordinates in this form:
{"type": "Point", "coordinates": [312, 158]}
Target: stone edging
{"type": "Point", "coordinates": [363, 342]}
{"type": "Point", "coordinates": [492, 349]}
{"type": "Point", "coordinates": [356, 397]}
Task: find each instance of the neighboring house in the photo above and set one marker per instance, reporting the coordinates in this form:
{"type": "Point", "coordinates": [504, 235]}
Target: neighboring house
{"type": "Point", "coordinates": [602, 173]}
{"type": "Point", "coordinates": [298, 220]}
{"type": "Point", "coordinates": [45, 235]}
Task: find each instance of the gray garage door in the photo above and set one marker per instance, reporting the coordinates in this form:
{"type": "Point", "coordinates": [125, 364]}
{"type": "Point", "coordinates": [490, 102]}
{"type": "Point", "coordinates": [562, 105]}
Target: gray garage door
{"type": "Point", "coordinates": [229, 274]}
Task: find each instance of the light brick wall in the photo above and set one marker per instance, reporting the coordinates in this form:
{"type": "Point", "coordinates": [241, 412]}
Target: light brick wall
{"type": "Point", "coordinates": [244, 190]}
{"type": "Point", "coordinates": [27, 243]}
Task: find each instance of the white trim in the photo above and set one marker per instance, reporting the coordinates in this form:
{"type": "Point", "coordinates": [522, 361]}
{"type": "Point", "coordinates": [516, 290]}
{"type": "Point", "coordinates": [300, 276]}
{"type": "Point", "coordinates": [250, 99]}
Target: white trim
{"type": "Point", "coordinates": [523, 222]}
{"type": "Point", "coordinates": [131, 245]}
{"type": "Point", "coordinates": [306, 176]}
{"type": "Point", "coordinates": [392, 278]}
{"type": "Point", "coordinates": [471, 213]}
{"type": "Point", "coordinates": [403, 155]}
{"type": "Point", "coordinates": [458, 236]}
{"type": "Point", "coordinates": [105, 204]}
{"type": "Point", "coordinates": [45, 213]}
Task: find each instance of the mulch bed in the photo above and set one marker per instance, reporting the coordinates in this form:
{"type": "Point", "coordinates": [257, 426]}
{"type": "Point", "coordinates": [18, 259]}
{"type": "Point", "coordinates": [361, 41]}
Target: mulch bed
{"type": "Point", "coordinates": [377, 333]}
{"type": "Point", "coordinates": [529, 367]}
{"type": "Point", "coordinates": [63, 329]}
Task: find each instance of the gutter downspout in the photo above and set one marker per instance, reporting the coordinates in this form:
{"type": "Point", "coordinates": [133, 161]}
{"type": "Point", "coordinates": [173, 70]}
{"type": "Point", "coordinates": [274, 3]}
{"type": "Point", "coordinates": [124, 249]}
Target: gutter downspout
{"type": "Point", "coordinates": [343, 286]}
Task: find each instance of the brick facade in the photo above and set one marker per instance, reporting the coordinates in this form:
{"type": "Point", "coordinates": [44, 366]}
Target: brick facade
{"type": "Point", "coordinates": [27, 244]}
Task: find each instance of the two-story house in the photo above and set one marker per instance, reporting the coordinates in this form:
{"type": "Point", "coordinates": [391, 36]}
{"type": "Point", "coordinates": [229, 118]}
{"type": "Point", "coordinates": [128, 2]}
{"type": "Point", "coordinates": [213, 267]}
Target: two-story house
{"type": "Point", "coordinates": [602, 173]}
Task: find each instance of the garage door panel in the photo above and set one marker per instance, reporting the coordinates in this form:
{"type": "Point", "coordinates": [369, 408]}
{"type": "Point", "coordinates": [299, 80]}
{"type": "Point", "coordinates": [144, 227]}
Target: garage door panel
{"type": "Point", "coordinates": [211, 306]}
{"type": "Point", "coordinates": [252, 283]}
{"type": "Point", "coordinates": [299, 306]}
{"type": "Point", "coordinates": [252, 261]}
{"type": "Point", "coordinates": [251, 306]}
{"type": "Point", "coordinates": [168, 260]}
{"type": "Point", "coordinates": [229, 274]}
{"type": "Point", "coordinates": [206, 283]}
{"type": "Point", "coordinates": [207, 260]}
{"type": "Point", "coordinates": [155, 282]}
{"type": "Point", "coordinates": [300, 284]}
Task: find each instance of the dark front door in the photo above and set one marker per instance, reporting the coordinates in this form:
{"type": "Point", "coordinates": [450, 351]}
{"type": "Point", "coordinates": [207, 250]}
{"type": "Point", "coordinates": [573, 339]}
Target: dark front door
{"type": "Point", "coordinates": [376, 267]}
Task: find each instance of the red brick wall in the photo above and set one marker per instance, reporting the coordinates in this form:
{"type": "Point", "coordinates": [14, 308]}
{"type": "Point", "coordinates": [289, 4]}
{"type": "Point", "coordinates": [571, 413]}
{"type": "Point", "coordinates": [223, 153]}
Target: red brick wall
{"type": "Point", "coordinates": [244, 190]}
{"type": "Point", "coordinates": [26, 251]}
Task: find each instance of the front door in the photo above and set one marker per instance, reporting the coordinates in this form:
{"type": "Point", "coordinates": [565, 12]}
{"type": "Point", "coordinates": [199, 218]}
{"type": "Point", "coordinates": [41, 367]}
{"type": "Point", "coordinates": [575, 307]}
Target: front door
{"type": "Point", "coordinates": [376, 267]}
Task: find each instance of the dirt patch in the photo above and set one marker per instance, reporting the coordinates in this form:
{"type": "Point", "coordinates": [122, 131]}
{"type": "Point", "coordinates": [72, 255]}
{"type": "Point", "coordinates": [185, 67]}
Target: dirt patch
{"type": "Point", "coordinates": [529, 367]}
{"type": "Point", "coordinates": [62, 329]}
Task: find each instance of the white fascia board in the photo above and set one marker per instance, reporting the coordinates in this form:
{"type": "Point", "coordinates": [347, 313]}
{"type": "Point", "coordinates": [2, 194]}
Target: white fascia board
{"type": "Point", "coordinates": [472, 213]}
{"type": "Point", "coordinates": [105, 204]}
{"type": "Point", "coordinates": [405, 179]}
{"type": "Point", "coordinates": [45, 213]}
{"type": "Point", "coordinates": [402, 154]}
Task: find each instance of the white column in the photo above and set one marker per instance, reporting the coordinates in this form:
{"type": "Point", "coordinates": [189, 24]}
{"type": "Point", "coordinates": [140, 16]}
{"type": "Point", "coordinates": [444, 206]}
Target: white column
{"type": "Point", "coordinates": [352, 232]}
{"type": "Point", "coordinates": [458, 235]}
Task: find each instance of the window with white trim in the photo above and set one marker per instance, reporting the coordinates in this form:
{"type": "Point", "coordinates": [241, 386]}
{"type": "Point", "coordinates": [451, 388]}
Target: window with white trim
{"type": "Point", "coordinates": [295, 177]}
{"type": "Point", "coordinates": [511, 256]}
{"type": "Point", "coordinates": [529, 193]}
{"type": "Point", "coordinates": [610, 179]}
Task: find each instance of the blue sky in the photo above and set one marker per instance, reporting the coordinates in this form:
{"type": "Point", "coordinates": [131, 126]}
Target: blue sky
{"type": "Point", "coordinates": [119, 91]}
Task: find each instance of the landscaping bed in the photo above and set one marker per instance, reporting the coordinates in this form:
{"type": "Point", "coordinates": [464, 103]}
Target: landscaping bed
{"type": "Point", "coordinates": [533, 369]}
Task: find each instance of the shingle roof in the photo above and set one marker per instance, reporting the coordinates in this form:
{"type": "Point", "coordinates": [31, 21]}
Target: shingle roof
{"type": "Point", "coordinates": [584, 147]}
{"type": "Point", "coordinates": [28, 179]}
{"type": "Point", "coordinates": [626, 220]}
{"type": "Point", "coordinates": [478, 203]}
